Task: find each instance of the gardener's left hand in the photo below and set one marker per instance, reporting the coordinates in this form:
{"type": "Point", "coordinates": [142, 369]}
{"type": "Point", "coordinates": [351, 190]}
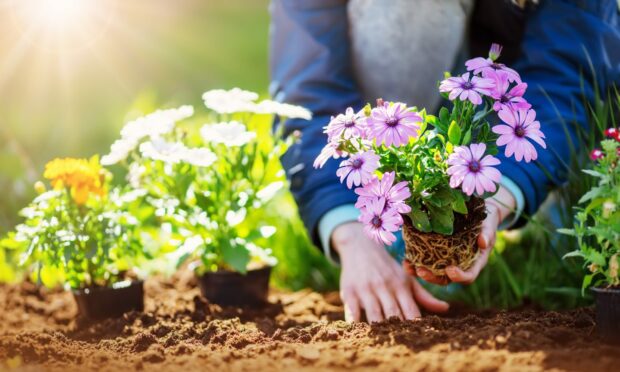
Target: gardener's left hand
{"type": "Point", "coordinates": [498, 207]}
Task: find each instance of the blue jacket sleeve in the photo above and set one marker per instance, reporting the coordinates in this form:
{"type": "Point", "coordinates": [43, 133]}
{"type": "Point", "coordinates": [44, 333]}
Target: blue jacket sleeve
{"type": "Point", "coordinates": [311, 66]}
{"type": "Point", "coordinates": [569, 46]}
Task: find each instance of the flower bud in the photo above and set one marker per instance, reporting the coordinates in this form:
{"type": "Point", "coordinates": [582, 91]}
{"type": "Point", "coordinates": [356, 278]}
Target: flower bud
{"type": "Point", "coordinates": [39, 187]}
{"type": "Point", "coordinates": [609, 207]}
{"type": "Point", "coordinates": [495, 51]}
{"type": "Point", "coordinates": [613, 267]}
{"type": "Point", "coordinates": [593, 267]}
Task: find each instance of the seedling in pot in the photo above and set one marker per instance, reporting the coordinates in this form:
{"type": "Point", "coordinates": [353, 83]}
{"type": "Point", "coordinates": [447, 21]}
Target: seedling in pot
{"type": "Point", "coordinates": [430, 174]}
{"type": "Point", "coordinates": [597, 230]}
{"type": "Point", "coordinates": [80, 233]}
{"type": "Point", "coordinates": [209, 184]}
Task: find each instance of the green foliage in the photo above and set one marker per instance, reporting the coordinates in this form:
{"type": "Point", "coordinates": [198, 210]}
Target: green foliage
{"type": "Point", "coordinates": [209, 183]}
{"type": "Point", "coordinates": [82, 245]}
{"type": "Point", "coordinates": [597, 226]}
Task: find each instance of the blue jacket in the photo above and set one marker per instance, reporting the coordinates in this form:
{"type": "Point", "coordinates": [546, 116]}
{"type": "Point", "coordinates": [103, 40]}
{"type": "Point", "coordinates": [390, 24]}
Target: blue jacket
{"type": "Point", "coordinates": [564, 42]}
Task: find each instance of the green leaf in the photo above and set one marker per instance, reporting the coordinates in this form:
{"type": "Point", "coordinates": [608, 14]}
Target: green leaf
{"type": "Point", "coordinates": [593, 193]}
{"type": "Point", "coordinates": [458, 205]}
{"type": "Point", "coordinates": [593, 173]}
{"type": "Point", "coordinates": [467, 137]}
{"type": "Point", "coordinates": [442, 219]}
{"type": "Point", "coordinates": [586, 283]}
{"type": "Point", "coordinates": [576, 253]}
{"type": "Point", "coordinates": [570, 232]}
{"type": "Point", "coordinates": [235, 256]}
{"type": "Point", "coordinates": [420, 219]}
{"type": "Point", "coordinates": [454, 133]}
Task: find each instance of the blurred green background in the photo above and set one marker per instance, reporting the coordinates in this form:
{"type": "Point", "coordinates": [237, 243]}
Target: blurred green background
{"type": "Point", "coordinates": [70, 77]}
{"type": "Point", "coordinates": [67, 95]}
{"type": "Point", "coordinates": [72, 74]}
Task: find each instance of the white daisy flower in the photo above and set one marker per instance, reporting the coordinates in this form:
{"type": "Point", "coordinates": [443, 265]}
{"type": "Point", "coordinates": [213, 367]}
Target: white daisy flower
{"type": "Point", "coordinates": [160, 149]}
{"type": "Point", "coordinates": [234, 218]}
{"type": "Point", "coordinates": [261, 255]}
{"type": "Point", "coordinates": [282, 109]}
{"type": "Point", "coordinates": [230, 134]}
{"type": "Point", "coordinates": [119, 151]}
{"type": "Point", "coordinates": [199, 157]}
{"type": "Point", "coordinates": [155, 124]}
{"type": "Point", "coordinates": [269, 191]}
{"type": "Point", "coordinates": [230, 101]}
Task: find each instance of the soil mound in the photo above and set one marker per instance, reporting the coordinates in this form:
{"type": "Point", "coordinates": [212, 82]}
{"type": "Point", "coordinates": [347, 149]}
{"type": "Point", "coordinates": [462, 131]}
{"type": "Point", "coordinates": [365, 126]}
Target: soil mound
{"type": "Point", "coordinates": [302, 331]}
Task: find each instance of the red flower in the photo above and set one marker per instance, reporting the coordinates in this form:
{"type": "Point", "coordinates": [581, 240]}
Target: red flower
{"type": "Point", "coordinates": [613, 133]}
{"type": "Point", "coordinates": [596, 154]}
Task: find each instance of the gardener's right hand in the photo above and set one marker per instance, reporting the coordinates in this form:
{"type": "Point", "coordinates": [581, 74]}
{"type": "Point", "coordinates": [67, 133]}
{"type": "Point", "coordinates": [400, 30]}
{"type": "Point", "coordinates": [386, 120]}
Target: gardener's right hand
{"type": "Point", "coordinates": [374, 282]}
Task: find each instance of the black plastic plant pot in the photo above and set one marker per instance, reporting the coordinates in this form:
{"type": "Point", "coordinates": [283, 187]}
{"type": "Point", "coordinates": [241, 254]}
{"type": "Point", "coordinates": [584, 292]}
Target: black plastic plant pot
{"type": "Point", "coordinates": [230, 288]}
{"type": "Point", "coordinates": [103, 302]}
{"type": "Point", "coordinates": [608, 314]}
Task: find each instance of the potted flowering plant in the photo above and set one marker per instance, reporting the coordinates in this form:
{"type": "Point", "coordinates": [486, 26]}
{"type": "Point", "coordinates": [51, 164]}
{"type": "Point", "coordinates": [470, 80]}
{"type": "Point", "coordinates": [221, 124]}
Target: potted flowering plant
{"type": "Point", "coordinates": [430, 174]}
{"type": "Point", "coordinates": [81, 231]}
{"type": "Point", "coordinates": [597, 229]}
{"type": "Point", "coordinates": [206, 181]}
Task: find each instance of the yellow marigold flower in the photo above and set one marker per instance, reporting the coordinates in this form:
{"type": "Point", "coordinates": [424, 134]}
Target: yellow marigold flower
{"type": "Point", "coordinates": [81, 176]}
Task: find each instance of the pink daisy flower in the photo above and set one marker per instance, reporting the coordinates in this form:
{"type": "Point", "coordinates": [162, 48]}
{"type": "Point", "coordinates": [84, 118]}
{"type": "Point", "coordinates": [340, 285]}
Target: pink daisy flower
{"type": "Point", "coordinates": [380, 222]}
{"type": "Point", "coordinates": [504, 95]}
{"type": "Point", "coordinates": [393, 124]}
{"type": "Point", "coordinates": [466, 87]}
{"type": "Point", "coordinates": [394, 195]}
{"type": "Point", "coordinates": [348, 125]}
{"type": "Point", "coordinates": [596, 154]}
{"type": "Point", "coordinates": [519, 126]}
{"type": "Point", "coordinates": [472, 170]}
{"type": "Point", "coordinates": [329, 151]}
{"type": "Point", "coordinates": [484, 66]}
{"type": "Point", "coordinates": [359, 169]}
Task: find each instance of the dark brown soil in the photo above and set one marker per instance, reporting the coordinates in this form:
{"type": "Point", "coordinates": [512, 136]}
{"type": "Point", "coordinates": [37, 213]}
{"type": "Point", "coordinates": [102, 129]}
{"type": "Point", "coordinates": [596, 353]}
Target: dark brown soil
{"type": "Point", "coordinates": [297, 331]}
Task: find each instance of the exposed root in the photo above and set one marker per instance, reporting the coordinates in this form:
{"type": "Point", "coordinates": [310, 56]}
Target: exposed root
{"type": "Point", "coordinates": [435, 251]}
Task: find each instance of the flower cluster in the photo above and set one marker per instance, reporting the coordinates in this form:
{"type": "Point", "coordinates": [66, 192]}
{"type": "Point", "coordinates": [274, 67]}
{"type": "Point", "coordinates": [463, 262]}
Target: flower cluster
{"type": "Point", "coordinates": [208, 183]}
{"type": "Point", "coordinates": [406, 162]}
{"type": "Point", "coordinates": [81, 177]}
{"type": "Point", "coordinates": [596, 220]}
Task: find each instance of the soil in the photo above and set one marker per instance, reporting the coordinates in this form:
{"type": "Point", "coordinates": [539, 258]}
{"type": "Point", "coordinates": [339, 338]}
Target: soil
{"type": "Point", "coordinates": [304, 330]}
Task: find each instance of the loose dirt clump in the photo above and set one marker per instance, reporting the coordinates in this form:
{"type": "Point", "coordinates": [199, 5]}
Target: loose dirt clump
{"type": "Point", "coordinates": [301, 331]}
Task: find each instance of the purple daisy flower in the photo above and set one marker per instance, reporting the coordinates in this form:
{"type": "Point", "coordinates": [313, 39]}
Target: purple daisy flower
{"type": "Point", "coordinates": [329, 151]}
{"type": "Point", "coordinates": [358, 169]}
{"type": "Point", "coordinates": [466, 87]}
{"type": "Point", "coordinates": [380, 222]}
{"type": "Point", "coordinates": [485, 66]}
{"type": "Point", "coordinates": [505, 96]}
{"type": "Point", "coordinates": [393, 124]}
{"type": "Point", "coordinates": [394, 195]}
{"type": "Point", "coordinates": [472, 171]}
{"type": "Point", "coordinates": [348, 125]}
{"type": "Point", "coordinates": [519, 126]}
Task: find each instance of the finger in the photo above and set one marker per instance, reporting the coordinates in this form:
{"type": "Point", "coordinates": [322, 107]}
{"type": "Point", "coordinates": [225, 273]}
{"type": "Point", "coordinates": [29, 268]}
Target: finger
{"type": "Point", "coordinates": [458, 275]}
{"type": "Point", "coordinates": [388, 302]}
{"type": "Point", "coordinates": [408, 268]}
{"type": "Point", "coordinates": [371, 307]}
{"type": "Point", "coordinates": [486, 239]}
{"type": "Point", "coordinates": [428, 276]}
{"type": "Point", "coordinates": [351, 303]}
{"type": "Point", "coordinates": [427, 300]}
{"type": "Point", "coordinates": [409, 308]}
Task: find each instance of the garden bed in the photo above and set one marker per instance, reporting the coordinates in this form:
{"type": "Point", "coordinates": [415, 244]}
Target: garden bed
{"type": "Point", "coordinates": [301, 330]}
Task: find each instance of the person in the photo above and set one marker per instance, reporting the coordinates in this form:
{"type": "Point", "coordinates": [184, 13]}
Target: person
{"type": "Point", "coordinates": [328, 55]}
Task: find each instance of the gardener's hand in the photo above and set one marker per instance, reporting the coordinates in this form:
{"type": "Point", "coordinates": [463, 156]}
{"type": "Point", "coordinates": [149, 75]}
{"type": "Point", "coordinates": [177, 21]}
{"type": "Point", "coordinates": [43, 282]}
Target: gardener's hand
{"type": "Point", "coordinates": [498, 208]}
{"type": "Point", "coordinates": [373, 281]}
